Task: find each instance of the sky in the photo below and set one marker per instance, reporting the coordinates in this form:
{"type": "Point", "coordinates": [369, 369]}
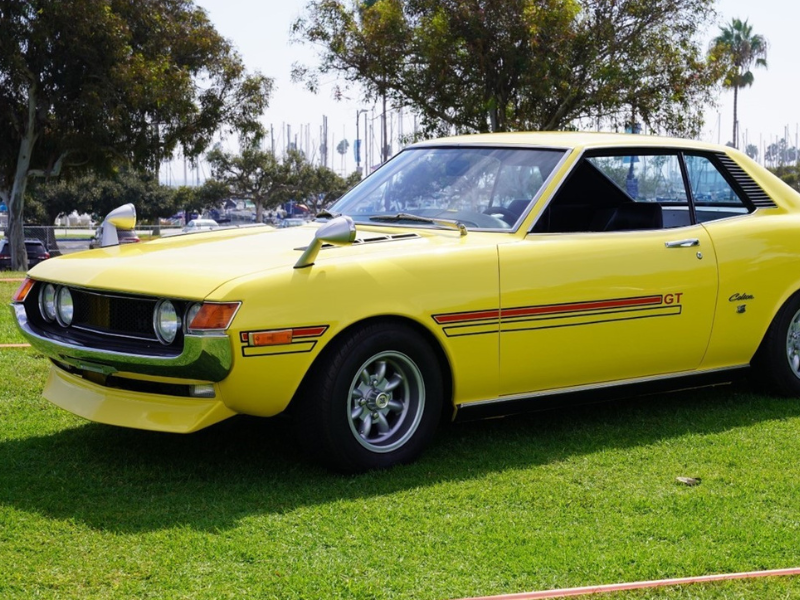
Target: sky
{"type": "Point", "coordinates": [260, 31]}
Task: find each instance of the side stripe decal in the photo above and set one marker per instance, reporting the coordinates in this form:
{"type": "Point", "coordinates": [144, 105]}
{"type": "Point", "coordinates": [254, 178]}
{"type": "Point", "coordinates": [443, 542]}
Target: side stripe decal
{"type": "Point", "coordinates": [545, 316]}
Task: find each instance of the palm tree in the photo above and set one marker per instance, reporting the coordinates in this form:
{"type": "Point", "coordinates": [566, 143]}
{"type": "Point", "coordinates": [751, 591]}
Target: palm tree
{"type": "Point", "coordinates": [738, 48]}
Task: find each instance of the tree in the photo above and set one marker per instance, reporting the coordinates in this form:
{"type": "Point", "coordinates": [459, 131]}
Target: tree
{"type": "Point", "coordinates": [99, 195]}
{"type": "Point", "coordinates": [499, 65]}
{"type": "Point", "coordinates": [789, 174]}
{"type": "Point", "coordinates": [780, 153]}
{"type": "Point", "coordinates": [752, 151]}
{"type": "Point", "coordinates": [256, 175]}
{"type": "Point", "coordinates": [737, 49]}
{"type": "Point", "coordinates": [325, 187]}
{"type": "Point", "coordinates": [99, 83]}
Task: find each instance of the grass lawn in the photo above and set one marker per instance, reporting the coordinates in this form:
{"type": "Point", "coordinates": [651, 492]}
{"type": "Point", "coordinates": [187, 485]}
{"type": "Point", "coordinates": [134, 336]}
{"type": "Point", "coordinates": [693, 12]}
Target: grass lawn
{"type": "Point", "coordinates": [578, 496]}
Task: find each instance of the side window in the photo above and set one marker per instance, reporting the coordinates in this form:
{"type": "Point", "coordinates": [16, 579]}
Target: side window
{"type": "Point", "coordinates": [645, 178]}
{"type": "Point", "coordinates": [620, 193]}
{"type": "Point", "coordinates": [714, 198]}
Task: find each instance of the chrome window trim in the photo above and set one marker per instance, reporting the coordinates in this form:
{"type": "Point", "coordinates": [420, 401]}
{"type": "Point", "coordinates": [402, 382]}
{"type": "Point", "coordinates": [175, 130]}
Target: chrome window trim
{"type": "Point", "coordinates": [566, 153]}
{"type": "Point", "coordinates": [723, 158]}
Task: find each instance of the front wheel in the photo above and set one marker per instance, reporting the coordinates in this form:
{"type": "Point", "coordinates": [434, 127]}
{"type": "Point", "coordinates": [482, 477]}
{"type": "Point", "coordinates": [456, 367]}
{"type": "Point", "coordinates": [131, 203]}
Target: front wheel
{"type": "Point", "coordinates": [778, 359]}
{"type": "Point", "coordinates": [373, 401]}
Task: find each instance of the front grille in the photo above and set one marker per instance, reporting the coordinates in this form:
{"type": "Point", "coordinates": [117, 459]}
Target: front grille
{"type": "Point", "coordinates": [114, 315]}
{"type": "Point", "coordinates": [107, 321]}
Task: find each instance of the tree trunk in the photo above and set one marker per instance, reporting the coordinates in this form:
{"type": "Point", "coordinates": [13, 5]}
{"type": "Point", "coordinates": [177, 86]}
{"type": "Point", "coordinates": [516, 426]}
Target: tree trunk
{"type": "Point", "coordinates": [493, 124]}
{"type": "Point", "coordinates": [735, 140]}
{"type": "Point", "coordinates": [16, 233]}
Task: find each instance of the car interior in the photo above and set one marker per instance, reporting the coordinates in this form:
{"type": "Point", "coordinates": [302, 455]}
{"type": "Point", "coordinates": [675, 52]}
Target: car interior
{"type": "Point", "coordinates": [589, 201]}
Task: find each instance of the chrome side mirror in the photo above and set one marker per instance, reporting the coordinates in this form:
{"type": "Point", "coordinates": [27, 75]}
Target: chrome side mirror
{"type": "Point", "coordinates": [340, 231]}
{"type": "Point", "coordinates": [122, 217]}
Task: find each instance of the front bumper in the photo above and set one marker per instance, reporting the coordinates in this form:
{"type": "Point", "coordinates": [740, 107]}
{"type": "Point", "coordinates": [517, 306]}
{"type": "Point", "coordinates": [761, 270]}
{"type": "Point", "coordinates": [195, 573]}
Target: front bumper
{"type": "Point", "coordinates": [154, 412]}
{"type": "Point", "coordinates": [204, 357]}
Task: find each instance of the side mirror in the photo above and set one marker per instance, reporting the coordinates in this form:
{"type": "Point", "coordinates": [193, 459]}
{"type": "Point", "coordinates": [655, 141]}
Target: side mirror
{"type": "Point", "coordinates": [340, 231]}
{"type": "Point", "coordinates": [122, 217]}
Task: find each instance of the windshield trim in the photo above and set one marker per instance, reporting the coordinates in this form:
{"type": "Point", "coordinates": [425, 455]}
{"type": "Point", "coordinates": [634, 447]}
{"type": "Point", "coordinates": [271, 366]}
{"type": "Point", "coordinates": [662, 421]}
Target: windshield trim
{"type": "Point", "coordinates": [565, 151]}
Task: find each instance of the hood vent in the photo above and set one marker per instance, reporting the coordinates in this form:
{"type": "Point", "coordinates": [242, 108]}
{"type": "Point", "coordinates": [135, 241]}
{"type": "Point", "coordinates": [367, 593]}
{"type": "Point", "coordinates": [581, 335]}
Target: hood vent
{"type": "Point", "coordinates": [376, 239]}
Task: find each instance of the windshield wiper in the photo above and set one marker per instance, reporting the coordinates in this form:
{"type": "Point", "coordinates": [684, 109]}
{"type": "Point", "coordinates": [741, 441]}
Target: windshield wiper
{"type": "Point", "coordinates": [449, 223]}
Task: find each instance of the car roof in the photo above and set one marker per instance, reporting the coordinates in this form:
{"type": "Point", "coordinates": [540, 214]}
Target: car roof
{"type": "Point", "coordinates": [28, 241]}
{"type": "Point", "coordinates": [568, 140]}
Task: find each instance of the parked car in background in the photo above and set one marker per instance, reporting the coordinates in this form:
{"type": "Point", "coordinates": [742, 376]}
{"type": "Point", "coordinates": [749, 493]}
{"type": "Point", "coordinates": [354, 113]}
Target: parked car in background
{"type": "Point", "coordinates": [218, 216]}
{"type": "Point", "coordinates": [125, 237]}
{"type": "Point", "coordinates": [466, 277]}
{"type": "Point", "coordinates": [200, 225]}
{"type": "Point", "coordinates": [291, 222]}
{"type": "Point", "coordinates": [35, 249]}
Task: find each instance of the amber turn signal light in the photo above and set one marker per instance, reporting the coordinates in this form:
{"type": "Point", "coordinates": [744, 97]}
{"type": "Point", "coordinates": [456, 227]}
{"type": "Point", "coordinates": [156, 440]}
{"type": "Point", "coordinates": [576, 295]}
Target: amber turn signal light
{"type": "Point", "coordinates": [22, 290]}
{"type": "Point", "coordinates": [213, 317]}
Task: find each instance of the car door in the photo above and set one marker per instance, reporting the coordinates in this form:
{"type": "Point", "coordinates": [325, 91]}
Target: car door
{"type": "Point", "coordinates": [607, 303]}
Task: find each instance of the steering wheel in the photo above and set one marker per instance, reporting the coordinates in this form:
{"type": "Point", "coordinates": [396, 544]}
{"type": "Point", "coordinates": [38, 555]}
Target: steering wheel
{"type": "Point", "coordinates": [505, 214]}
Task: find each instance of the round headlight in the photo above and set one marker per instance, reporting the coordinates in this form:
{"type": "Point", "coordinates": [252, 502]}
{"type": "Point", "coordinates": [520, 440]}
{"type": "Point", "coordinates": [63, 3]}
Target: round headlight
{"type": "Point", "coordinates": [47, 302]}
{"type": "Point", "coordinates": [64, 307]}
{"type": "Point", "coordinates": [190, 315]}
{"type": "Point", "coordinates": [166, 322]}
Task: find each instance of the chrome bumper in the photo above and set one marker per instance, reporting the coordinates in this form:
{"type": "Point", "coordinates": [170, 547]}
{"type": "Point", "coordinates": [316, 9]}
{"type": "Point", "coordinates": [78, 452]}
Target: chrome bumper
{"type": "Point", "coordinates": [204, 358]}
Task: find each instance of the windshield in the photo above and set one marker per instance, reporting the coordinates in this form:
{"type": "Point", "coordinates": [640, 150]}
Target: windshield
{"type": "Point", "coordinates": [482, 188]}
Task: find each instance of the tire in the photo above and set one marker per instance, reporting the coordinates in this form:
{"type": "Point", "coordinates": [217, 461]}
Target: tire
{"type": "Point", "coordinates": [778, 360]}
{"type": "Point", "coordinates": [374, 400]}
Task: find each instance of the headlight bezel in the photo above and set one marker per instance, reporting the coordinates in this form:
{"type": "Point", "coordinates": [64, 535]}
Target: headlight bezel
{"type": "Point", "coordinates": [169, 333]}
{"type": "Point", "coordinates": [47, 306]}
{"type": "Point", "coordinates": [65, 306]}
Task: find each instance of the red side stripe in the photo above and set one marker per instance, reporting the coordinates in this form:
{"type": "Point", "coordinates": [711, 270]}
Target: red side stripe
{"type": "Point", "coordinates": [580, 306]}
{"type": "Point", "coordinates": [308, 332]}
{"type": "Point", "coordinates": [480, 315]}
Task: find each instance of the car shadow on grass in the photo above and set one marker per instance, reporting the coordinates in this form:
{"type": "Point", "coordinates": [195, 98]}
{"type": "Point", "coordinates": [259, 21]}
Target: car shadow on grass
{"type": "Point", "coordinates": [122, 480]}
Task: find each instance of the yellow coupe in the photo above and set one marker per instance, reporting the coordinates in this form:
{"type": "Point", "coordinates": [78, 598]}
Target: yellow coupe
{"type": "Point", "coordinates": [468, 276]}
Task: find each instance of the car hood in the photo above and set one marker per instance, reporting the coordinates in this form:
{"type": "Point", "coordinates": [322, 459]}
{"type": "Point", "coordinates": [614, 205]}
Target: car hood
{"type": "Point", "coordinates": [192, 266]}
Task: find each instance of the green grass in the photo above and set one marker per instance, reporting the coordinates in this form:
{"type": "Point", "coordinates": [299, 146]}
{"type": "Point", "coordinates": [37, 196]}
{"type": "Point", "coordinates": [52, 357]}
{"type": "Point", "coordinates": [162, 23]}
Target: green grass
{"type": "Point", "coordinates": [577, 496]}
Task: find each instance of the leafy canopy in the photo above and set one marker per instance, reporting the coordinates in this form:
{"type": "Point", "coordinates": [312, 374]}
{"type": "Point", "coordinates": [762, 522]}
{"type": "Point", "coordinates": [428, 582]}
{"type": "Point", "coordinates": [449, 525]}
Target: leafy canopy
{"type": "Point", "coordinates": [498, 65]}
{"type": "Point", "coordinates": [736, 50]}
{"type": "Point", "coordinates": [259, 176]}
{"type": "Point", "coordinates": [96, 195]}
{"type": "Point", "coordinates": [99, 83]}
{"type": "Point", "coordinates": [739, 49]}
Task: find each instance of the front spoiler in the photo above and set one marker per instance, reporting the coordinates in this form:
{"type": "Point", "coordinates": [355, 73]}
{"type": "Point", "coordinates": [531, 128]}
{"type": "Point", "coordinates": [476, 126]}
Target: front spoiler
{"type": "Point", "coordinates": [204, 357]}
{"type": "Point", "coordinates": [153, 412]}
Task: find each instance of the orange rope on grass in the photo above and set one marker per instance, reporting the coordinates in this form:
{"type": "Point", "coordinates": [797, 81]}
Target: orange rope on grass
{"type": "Point", "coordinates": [619, 587]}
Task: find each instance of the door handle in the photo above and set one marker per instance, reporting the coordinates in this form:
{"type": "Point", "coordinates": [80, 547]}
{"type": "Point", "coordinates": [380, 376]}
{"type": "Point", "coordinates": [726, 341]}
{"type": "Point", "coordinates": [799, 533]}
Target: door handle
{"type": "Point", "coordinates": [683, 243]}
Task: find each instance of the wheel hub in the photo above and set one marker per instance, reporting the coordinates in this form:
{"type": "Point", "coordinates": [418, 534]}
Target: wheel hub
{"type": "Point", "coordinates": [377, 399]}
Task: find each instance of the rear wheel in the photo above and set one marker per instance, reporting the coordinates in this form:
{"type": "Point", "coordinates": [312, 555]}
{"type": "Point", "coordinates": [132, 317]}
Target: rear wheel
{"type": "Point", "coordinates": [374, 400]}
{"type": "Point", "coordinates": [778, 359]}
